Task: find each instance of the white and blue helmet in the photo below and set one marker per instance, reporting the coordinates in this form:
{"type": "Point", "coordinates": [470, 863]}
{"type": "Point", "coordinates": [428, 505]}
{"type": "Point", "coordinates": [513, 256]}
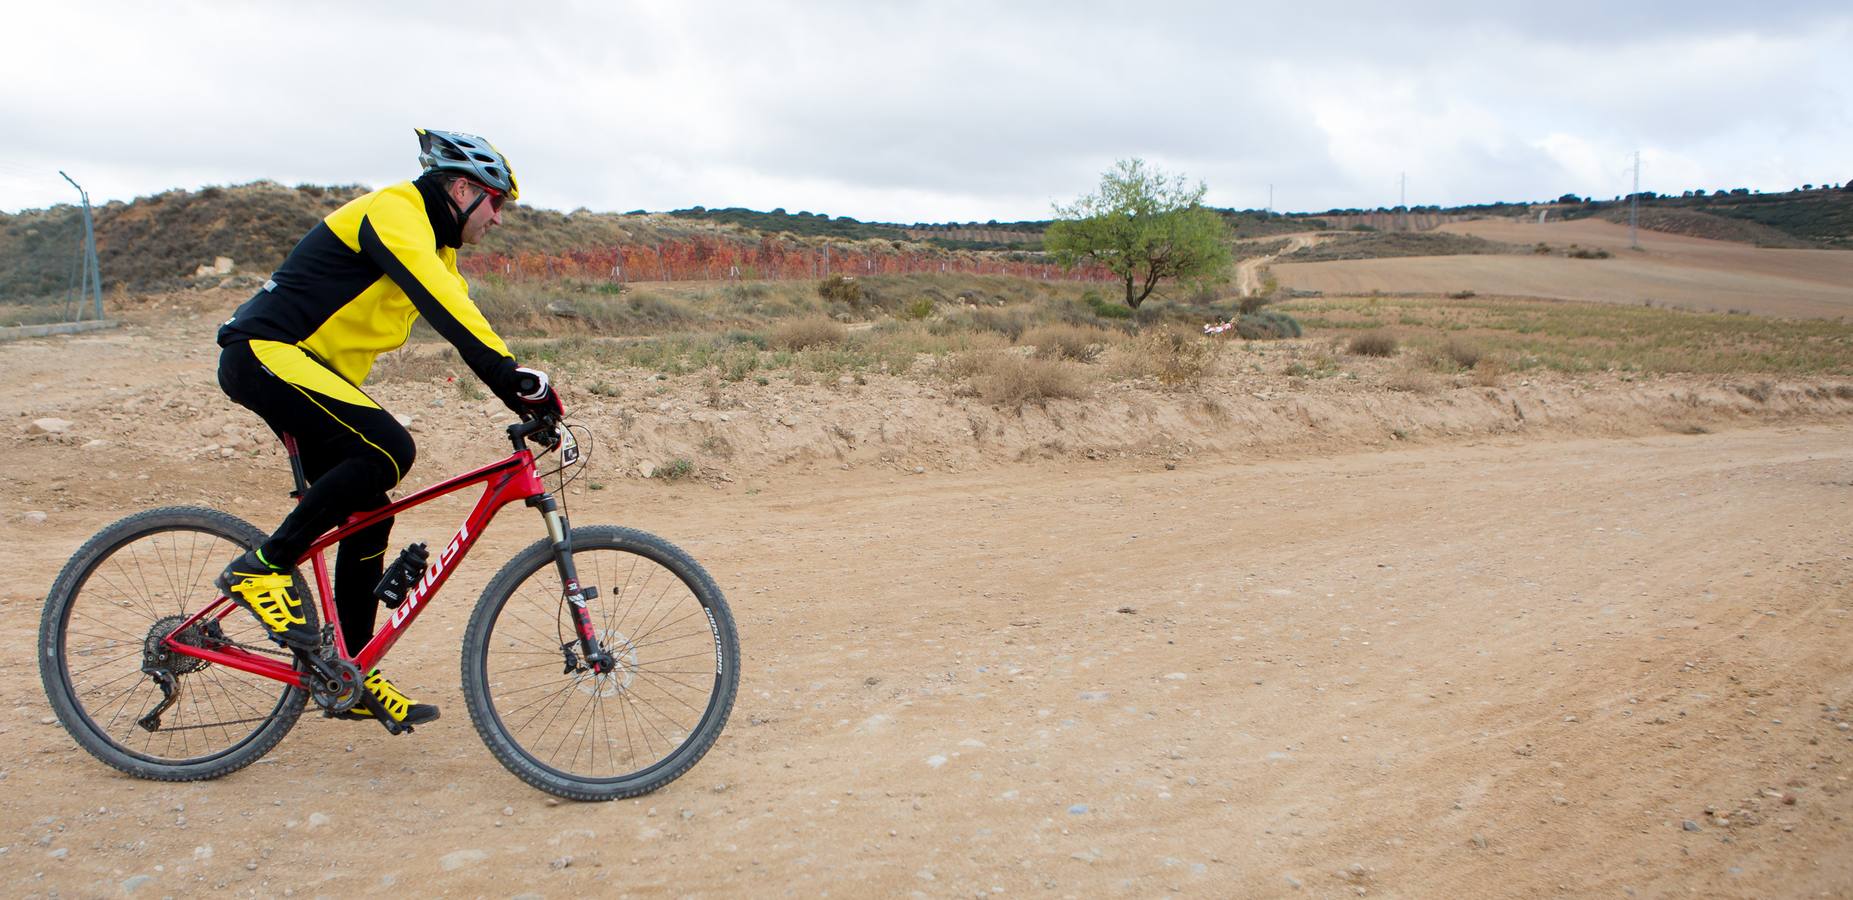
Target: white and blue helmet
{"type": "Point", "coordinates": [467, 155]}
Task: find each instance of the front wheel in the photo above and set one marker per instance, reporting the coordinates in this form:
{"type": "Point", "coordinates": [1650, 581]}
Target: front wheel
{"type": "Point", "coordinates": [584, 736]}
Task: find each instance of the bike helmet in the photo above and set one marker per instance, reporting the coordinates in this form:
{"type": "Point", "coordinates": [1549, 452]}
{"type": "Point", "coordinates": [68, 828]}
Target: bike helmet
{"type": "Point", "coordinates": [467, 155]}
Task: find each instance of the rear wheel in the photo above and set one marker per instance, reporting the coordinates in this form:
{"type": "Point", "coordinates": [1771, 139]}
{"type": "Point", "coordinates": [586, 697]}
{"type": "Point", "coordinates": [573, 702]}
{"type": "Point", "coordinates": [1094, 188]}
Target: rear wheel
{"type": "Point", "coordinates": [104, 667]}
{"type": "Point", "coordinates": [586, 736]}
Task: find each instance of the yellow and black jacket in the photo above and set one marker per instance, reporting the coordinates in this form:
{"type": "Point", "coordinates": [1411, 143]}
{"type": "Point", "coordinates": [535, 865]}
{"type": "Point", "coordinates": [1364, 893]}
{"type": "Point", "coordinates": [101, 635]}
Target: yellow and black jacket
{"type": "Point", "coordinates": [357, 281]}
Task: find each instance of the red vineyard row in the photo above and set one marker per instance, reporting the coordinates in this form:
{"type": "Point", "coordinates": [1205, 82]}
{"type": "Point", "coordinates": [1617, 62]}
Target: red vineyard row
{"type": "Point", "coordinates": [712, 260]}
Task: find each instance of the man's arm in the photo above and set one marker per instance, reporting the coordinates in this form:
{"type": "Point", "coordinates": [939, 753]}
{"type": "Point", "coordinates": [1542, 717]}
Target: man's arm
{"type": "Point", "coordinates": [397, 236]}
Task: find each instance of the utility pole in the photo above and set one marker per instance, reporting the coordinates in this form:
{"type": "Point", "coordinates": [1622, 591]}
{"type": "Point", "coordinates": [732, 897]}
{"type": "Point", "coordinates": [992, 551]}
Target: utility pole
{"type": "Point", "coordinates": [1634, 204]}
{"type": "Point", "coordinates": [1270, 209]}
{"type": "Point", "coordinates": [92, 278]}
{"type": "Point", "coordinates": [1402, 195]}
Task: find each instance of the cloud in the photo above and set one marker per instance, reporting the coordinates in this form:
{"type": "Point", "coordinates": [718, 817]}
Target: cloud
{"type": "Point", "coordinates": [934, 110]}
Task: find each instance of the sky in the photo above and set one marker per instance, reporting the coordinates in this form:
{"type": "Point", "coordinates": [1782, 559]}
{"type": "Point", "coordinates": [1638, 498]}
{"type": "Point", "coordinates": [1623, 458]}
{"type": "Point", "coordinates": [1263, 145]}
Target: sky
{"type": "Point", "coordinates": [933, 111]}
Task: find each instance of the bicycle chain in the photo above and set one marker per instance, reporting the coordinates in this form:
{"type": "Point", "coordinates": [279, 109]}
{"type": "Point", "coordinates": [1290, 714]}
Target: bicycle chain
{"type": "Point", "coordinates": [212, 724]}
{"type": "Point", "coordinates": [253, 648]}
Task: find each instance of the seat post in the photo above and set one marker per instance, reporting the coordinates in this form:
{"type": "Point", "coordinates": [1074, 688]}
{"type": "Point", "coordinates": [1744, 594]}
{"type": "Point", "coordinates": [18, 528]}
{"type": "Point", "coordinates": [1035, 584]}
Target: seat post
{"type": "Point", "coordinates": [302, 484]}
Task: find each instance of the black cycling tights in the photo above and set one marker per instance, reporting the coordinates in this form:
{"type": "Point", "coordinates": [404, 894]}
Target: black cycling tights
{"type": "Point", "coordinates": [352, 454]}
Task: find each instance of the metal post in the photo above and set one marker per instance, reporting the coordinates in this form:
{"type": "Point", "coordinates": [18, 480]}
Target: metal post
{"type": "Point", "coordinates": [93, 277]}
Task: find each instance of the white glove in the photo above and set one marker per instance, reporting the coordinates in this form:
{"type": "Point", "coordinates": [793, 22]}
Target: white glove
{"type": "Point", "coordinates": [540, 389]}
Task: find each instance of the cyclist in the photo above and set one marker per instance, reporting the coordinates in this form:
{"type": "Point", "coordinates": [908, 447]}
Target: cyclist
{"type": "Point", "coordinates": [297, 352]}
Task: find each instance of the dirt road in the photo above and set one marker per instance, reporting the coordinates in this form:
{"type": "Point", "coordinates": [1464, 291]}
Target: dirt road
{"type": "Point", "coordinates": [1498, 669]}
{"type": "Point", "coordinates": [1248, 280]}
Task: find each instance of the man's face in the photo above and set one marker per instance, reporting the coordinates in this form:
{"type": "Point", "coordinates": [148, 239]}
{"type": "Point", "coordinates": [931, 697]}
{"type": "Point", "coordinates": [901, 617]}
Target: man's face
{"type": "Point", "coordinates": [487, 214]}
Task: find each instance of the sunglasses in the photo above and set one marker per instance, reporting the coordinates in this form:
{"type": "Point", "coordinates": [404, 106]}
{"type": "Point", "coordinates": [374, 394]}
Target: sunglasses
{"type": "Point", "coordinates": [496, 199]}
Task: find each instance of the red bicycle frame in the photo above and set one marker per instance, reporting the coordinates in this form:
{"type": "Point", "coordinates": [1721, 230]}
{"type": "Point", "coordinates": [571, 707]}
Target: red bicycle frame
{"type": "Point", "coordinates": [505, 482]}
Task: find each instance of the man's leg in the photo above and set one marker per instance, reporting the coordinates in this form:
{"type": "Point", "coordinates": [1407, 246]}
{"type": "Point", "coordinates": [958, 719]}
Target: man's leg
{"type": "Point", "coordinates": [360, 560]}
{"type": "Point", "coordinates": [358, 566]}
{"type": "Point", "coordinates": [352, 450]}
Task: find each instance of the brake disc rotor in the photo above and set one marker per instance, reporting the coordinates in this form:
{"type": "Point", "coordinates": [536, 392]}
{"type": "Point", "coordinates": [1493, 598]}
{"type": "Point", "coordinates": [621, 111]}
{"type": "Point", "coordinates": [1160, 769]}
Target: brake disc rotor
{"type": "Point", "coordinates": [619, 679]}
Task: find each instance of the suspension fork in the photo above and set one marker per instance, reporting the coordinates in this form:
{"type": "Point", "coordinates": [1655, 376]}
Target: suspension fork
{"type": "Point", "coordinates": [560, 532]}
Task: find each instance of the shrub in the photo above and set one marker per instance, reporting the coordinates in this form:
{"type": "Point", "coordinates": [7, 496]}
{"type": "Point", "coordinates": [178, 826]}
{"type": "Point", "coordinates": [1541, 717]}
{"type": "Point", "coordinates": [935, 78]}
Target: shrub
{"type": "Point", "coordinates": [1009, 379]}
{"type": "Point", "coordinates": [674, 470]}
{"type": "Point", "coordinates": [1104, 309]}
{"type": "Point", "coordinates": [840, 289]}
{"type": "Point", "coordinates": [1375, 342]}
{"type": "Point", "coordinates": [738, 363]}
{"type": "Point", "coordinates": [1488, 371]}
{"type": "Point", "coordinates": [1067, 342]}
{"type": "Point", "coordinates": [1267, 326]}
{"type": "Point", "coordinates": [656, 309]}
{"type": "Point", "coordinates": [1411, 380]}
{"type": "Point", "coordinates": [1253, 304]}
{"type": "Point", "coordinates": [811, 331]}
{"type": "Point", "coordinates": [1008, 324]}
{"type": "Point", "coordinates": [755, 339]}
{"type": "Point", "coordinates": [918, 308]}
{"type": "Point", "coordinates": [1175, 358]}
{"type": "Point", "coordinates": [1464, 354]}
{"type": "Point", "coordinates": [746, 291]}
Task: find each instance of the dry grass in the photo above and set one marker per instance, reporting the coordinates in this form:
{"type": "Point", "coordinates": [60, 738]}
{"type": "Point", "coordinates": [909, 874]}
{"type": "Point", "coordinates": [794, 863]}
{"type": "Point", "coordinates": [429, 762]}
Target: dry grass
{"type": "Point", "coordinates": [752, 332]}
{"type": "Point", "coordinates": [805, 333]}
{"type": "Point", "coordinates": [419, 363]}
{"type": "Point", "coordinates": [1174, 359]}
{"type": "Point", "coordinates": [1490, 371]}
{"type": "Point", "coordinates": [1583, 337]}
{"type": "Point", "coordinates": [1462, 352]}
{"type": "Point", "coordinates": [1005, 378]}
{"type": "Point", "coordinates": [1075, 342]}
{"type": "Point", "coordinates": [1409, 378]}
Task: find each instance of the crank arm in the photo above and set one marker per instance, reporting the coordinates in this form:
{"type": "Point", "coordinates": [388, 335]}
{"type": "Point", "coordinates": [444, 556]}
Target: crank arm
{"type": "Point", "coordinates": [378, 709]}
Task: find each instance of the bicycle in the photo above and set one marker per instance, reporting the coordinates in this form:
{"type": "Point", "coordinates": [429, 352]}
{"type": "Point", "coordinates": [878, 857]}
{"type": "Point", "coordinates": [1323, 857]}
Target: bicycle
{"type": "Point", "coordinates": [641, 638]}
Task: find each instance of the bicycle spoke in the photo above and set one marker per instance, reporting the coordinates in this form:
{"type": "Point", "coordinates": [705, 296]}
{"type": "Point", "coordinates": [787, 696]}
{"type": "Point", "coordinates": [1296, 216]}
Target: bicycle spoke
{"type": "Point", "coordinates": [656, 708]}
{"type": "Point", "coordinates": [156, 567]}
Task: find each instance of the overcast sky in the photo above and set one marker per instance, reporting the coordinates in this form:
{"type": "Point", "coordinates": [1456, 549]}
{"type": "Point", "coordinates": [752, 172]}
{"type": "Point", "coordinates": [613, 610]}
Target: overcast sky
{"type": "Point", "coordinates": [932, 111]}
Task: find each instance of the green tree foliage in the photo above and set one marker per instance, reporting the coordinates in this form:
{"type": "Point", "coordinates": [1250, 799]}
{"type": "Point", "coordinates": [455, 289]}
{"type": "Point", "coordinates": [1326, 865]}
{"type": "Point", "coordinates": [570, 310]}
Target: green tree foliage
{"type": "Point", "coordinates": [1144, 226]}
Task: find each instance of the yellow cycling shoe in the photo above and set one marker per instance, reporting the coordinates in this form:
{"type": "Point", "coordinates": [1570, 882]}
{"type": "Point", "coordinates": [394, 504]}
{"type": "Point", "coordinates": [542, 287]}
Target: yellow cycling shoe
{"type": "Point", "coordinates": [397, 704]}
{"type": "Point", "coordinates": [270, 595]}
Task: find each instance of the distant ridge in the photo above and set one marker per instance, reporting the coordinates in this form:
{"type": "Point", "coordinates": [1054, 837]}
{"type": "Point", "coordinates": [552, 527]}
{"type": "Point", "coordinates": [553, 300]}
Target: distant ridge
{"type": "Point", "coordinates": [164, 239]}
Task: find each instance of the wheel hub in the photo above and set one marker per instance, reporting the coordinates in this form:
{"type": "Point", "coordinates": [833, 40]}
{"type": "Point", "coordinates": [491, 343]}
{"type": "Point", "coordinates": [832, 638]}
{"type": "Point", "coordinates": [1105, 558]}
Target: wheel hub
{"type": "Point", "coordinates": [623, 671]}
{"type": "Point", "coordinates": [156, 654]}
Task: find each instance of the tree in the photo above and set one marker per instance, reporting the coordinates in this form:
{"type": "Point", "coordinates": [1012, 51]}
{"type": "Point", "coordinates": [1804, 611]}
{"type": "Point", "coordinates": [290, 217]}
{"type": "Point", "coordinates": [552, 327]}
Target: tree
{"type": "Point", "coordinates": [1143, 226]}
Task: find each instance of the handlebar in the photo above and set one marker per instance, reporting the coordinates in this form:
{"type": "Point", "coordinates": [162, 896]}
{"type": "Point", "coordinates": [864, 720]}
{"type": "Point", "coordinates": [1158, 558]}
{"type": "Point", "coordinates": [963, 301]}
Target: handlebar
{"type": "Point", "coordinates": [542, 430]}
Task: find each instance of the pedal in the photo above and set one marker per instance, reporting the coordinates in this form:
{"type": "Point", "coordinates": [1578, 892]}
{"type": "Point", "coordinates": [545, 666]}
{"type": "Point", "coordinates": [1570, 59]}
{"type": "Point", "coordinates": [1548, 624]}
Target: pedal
{"type": "Point", "coordinates": [378, 709]}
